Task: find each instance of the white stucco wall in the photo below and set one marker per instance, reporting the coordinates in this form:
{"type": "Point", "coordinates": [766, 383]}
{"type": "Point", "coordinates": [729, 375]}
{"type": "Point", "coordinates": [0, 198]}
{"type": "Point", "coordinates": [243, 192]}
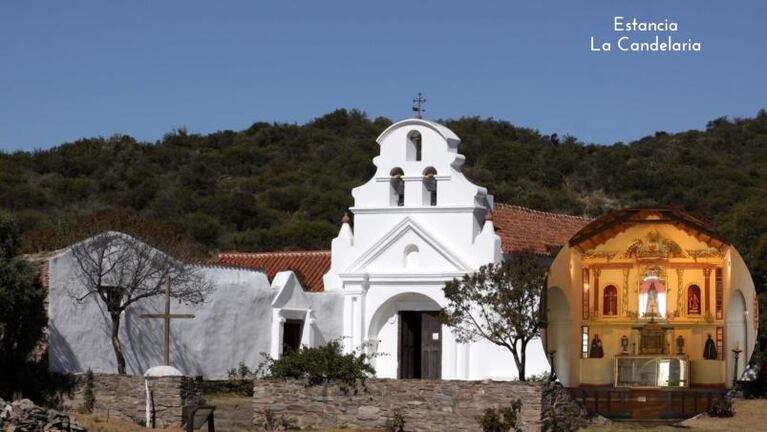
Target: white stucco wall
{"type": "Point", "coordinates": [233, 325]}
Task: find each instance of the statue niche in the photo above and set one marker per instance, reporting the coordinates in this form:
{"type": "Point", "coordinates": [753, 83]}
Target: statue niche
{"type": "Point", "coordinates": [652, 298]}
{"type": "Point", "coordinates": [693, 300]}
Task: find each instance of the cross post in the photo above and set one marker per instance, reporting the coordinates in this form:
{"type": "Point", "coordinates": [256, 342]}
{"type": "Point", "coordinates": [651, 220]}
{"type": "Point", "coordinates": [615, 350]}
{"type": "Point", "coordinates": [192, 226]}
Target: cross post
{"type": "Point", "coordinates": [167, 316]}
{"type": "Point", "coordinates": [418, 105]}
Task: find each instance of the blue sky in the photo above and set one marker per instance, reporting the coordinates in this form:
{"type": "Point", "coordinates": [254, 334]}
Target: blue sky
{"type": "Point", "coordinates": [94, 68]}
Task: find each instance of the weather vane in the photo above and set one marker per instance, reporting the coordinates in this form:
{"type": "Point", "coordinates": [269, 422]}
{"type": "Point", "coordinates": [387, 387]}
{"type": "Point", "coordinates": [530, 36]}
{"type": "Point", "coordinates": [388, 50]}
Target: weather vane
{"type": "Point", "coordinates": [418, 105]}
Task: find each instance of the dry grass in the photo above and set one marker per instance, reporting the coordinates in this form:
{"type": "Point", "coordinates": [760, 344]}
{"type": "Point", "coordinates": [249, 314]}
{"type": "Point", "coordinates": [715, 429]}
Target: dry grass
{"type": "Point", "coordinates": [750, 415]}
{"type": "Point", "coordinates": [96, 423]}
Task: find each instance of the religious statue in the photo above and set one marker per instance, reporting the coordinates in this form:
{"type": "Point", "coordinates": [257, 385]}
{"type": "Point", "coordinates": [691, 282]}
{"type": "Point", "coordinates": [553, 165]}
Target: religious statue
{"type": "Point", "coordinates": [693, 306]}
{"type": "Point", "coordinates": [652, 302]}
{"type": "Point", "coordinates": [596, 350]}
{"type": "Point", "coordinates": [709, 351]}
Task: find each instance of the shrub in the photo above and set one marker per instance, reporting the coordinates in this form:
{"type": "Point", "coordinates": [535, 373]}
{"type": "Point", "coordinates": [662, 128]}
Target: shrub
{"type": "Point", "coordinates": [243, 373]}
{"type": "Point", "coordinates": [566, 420]}
{"type": "Point", "coordinates": [240, 373]}
{"type": "Point", "coordinates": [560, 412]}
{"type": "Point", "coordinates": [274, 423]}
{"type": "Point", "coordinates": [323, 364]}
{"type": "Point", "coordinates": [501, 419]}
{"type": "Point", "coordinates": [89, 398]}
{"type": "Point", "coordinates": [397, 422]}
{"type": "Point", "coordinates": [544, 376]}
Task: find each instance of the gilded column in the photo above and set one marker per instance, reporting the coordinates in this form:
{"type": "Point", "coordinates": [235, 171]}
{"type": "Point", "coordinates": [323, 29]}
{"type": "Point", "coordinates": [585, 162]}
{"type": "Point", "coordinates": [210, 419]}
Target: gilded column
{"type": "Point", "coordinates": [625, 296]}
{"type": "Point", "coordinates": [707, 289]}
{"type": "Point", "coordinates": [680, 311]}
{"type": "Point", "coordinates": [585, 296]}
{"type": "Point", "coordinates": [596, 292]}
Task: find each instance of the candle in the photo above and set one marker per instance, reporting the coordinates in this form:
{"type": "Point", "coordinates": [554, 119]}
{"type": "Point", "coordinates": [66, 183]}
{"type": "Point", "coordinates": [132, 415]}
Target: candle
{"type": "Point", "coordinates": [737, 345]}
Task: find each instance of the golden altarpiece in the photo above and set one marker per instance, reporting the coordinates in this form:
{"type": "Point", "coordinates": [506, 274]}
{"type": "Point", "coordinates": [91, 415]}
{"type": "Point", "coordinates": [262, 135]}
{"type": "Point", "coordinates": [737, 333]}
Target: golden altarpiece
{"type": "Point", "coordinates": [649, 298]}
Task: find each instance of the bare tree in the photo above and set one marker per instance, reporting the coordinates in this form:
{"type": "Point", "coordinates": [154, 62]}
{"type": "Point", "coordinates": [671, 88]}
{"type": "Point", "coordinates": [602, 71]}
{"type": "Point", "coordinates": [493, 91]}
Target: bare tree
{"type": "Point", "coordinates": [120, 270]}
{"type": "Point", "coordinates": [500, 303]}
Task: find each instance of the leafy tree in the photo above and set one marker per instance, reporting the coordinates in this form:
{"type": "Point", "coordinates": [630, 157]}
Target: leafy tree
{"type": "Point", "coordinates": [22, 316]}
{"type": "Point", "coordinates": [119, 270]}
{"type": "Point", "coordinates": [499, 303]}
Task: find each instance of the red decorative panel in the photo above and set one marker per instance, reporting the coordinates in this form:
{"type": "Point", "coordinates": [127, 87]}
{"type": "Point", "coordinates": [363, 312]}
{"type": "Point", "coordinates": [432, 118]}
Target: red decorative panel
{"type": "Point", "coordinates": [719, 294]}
{"type": "Point", "coordinates": [585, 342]}
{"type": "Point", "coordinates": [585, 294]}
{"type": "Point", "coordinates": [610, 301]}
{"type": "Point", "coordinates": [720, 342]}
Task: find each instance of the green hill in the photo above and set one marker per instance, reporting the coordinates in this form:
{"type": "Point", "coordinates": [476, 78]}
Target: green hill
{"type": "Point", "coordinates": [285, 186]}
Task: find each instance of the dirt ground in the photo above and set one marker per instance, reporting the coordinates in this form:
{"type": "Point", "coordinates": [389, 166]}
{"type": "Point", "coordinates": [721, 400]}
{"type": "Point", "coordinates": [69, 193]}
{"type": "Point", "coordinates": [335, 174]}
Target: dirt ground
{"type": "Point", "coordinates": [95, 423]}
{"type": "Point", "coordinates": [750, 415]}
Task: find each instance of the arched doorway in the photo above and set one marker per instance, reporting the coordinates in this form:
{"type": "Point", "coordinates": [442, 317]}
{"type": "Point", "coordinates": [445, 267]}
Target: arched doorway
{"type": "Point", "coordinates": [407, 336]}
{"type": "Point", "coordinates": [736, 335]}
{"type": "Point", "coordinates": [558, 332]}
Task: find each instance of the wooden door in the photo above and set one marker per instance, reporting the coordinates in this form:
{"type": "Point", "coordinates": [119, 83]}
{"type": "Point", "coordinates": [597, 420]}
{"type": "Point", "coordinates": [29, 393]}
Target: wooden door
{"type": "Point", "coordinates": [409, 345]}
{"type": "Point", "coordinates": [431, 346]}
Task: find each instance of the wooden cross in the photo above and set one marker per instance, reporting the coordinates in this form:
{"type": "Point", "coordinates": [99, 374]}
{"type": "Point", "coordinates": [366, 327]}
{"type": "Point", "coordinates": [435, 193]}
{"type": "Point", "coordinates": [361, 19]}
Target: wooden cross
{"type": "Point", "coordinates": [167, 316]}
{"type": "Point", "coordinates": [418, 105]}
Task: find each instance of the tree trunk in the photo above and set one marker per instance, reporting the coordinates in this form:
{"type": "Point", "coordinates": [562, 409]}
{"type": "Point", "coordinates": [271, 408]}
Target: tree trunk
{"type": "Point", "coordinates": [520, 363]}
{"type": "Point", "coordinates": [523, 362]}
{"type": "Point", "coordinates": [116, 344]}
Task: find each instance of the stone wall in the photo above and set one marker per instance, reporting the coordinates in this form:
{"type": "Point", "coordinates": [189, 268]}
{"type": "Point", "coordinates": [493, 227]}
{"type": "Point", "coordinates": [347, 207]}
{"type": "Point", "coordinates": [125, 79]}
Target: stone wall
{"type": "Point", "coordinates": [124, 396]}
{"type": "Point", "coordinates": [119, 396]}
{"type": "Point", "coordinates": [427, 405]}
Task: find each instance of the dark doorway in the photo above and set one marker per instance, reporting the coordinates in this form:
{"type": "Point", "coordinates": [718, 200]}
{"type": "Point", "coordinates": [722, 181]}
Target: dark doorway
{"type": "Point", "coordinates": [420, 345]}
{"type": "Point", "coordinates": [291, 335]}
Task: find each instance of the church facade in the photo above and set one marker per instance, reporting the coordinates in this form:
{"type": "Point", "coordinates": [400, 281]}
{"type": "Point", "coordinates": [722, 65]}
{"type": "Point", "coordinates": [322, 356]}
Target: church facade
{"type": "Point", "coordinates": [418, 223]}
{"type": "Point", "coordinates": [650, 299]}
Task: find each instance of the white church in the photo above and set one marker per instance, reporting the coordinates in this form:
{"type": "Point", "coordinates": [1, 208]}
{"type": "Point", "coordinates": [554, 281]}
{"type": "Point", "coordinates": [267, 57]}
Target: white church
{"type": "Point", "coordinates": [418, 223]}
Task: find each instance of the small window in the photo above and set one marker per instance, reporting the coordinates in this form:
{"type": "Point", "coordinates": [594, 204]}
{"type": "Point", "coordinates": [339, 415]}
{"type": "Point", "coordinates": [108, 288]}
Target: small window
{"type": "Point", "coordinates": [397, 189]}
{"type": "Point", "coordinates": [585, 342]}
{"type": "Point", "coordinates": [693, 300]}
{"type": "Point", "coordinates": [414, 146]}
{"type": "Point", "coordinates": [610, 301]}
{"type": "Point", "coordinates": [430, 187]}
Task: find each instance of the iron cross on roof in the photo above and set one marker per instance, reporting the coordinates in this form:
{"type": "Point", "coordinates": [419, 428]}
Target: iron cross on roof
{"type": "Point", "coordinates": [167, 316]}
{"type": "Point", "coordinates": [418, 105]}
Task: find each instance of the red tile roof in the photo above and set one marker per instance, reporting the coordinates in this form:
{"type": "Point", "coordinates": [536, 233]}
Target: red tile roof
{"type": "Point", "coordinates": [523, 228]}
{"type": "Point", "coordinates": [519, 227]}
{"type": "Point", "coordinates": [309, 266]}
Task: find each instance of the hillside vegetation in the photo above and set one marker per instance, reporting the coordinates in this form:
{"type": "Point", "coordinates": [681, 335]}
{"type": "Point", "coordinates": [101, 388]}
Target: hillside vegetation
{"type": "Point", "coordinates": [285, 186]}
